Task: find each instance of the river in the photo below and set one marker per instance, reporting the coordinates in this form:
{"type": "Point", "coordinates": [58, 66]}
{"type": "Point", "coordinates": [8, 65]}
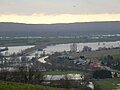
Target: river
{"type": "Point", "coordinates": [63, 47]}
{"type": "Point", "coordinates": [93, 45]}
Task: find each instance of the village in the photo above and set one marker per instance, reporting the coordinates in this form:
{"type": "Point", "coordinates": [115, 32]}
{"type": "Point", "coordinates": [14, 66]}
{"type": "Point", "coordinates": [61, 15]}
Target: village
{"type": "Point", "coordinates": [67, 61]}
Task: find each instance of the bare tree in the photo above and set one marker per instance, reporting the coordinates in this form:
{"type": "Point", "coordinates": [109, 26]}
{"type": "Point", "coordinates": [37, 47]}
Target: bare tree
{"type": "Point", "coordinates": [73, 47]}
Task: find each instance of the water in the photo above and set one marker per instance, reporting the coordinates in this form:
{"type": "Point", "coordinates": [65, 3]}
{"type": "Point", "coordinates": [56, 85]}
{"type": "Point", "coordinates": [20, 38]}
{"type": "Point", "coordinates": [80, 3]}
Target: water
{"type": "Point", "coordinates": [68, 76]}
{"type": "Point", "coordinates": [63, 47]}
{"type": "Point", "coordinates": [94, 46]}
{"type": "Point", "coordinates": [15, 49]}
{"type": "Point", "coordinates": [42, 60]}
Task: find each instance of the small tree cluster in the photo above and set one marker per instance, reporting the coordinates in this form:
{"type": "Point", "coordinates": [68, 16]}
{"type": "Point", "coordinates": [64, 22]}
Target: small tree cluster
{"type": "Point", "coordinates": [102, 74]}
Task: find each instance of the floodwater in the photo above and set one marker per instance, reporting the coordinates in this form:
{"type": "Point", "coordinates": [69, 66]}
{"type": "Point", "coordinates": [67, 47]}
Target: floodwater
{"type": "Point", "coordinates": [68, 76]}
{"type": "Point", "coordinates": [42, 60]}
{"type": "Point", "coordinates": [93, 45]}
{"type": "Point", "coordinates": [63, 47]}
{"type": "Point", "coordinates": [15, 49]}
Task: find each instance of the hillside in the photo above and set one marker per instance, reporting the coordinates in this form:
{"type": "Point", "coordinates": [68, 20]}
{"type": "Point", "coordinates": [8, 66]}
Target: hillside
{"type": "Point", "coordinates": [19, 29]}
{"type": "Point", "coordinates": [20, 86]}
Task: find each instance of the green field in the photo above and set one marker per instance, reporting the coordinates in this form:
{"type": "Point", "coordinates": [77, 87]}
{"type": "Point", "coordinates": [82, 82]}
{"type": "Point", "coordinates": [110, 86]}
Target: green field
{"type": "Point", "coordinates": [21, 86]}
{"type": "Point", "coordinates": [116, 57]}
{"type": "Point", "coordinates": [108, 84]}
{"type": "Point", "coordinates": [65, 72]}
{"type": "Point", "coordinates": [17, 41]}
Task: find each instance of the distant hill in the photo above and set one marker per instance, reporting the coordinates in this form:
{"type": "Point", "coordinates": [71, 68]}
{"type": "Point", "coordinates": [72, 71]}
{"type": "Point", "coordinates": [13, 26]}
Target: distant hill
{"type": "Point", "coordinates": [19, 29]}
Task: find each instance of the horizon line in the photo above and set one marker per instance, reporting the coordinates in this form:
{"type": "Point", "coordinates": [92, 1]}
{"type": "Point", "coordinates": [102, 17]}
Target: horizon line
{"type": "Point", "coordinates": [61, 23]}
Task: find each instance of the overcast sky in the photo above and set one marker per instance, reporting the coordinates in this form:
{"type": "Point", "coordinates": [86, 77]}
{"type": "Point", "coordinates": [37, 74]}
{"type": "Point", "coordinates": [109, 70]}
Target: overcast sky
{"type": "Point", "coordinates": [60, 6]}
{"type": "Point", "coordinates": [28, 8]}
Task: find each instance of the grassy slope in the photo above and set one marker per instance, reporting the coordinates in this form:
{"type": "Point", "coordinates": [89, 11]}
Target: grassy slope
{"type": "Point", "coordinates": [108, 84]}
{"type": "Point", "coordinates": [20, 86]}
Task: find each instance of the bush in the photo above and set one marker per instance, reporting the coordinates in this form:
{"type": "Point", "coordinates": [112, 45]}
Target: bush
{"type": "Point", "coordinates": [102, 74]}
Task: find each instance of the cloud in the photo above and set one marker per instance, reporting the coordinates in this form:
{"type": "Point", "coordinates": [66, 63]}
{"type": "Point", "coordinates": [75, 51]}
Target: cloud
{"type": "Point", "coordinates": [59, 11]}
{"type": "Point", "coordinates": [60, 18]}
{"type": "Point", "coordinates": [29, 7]}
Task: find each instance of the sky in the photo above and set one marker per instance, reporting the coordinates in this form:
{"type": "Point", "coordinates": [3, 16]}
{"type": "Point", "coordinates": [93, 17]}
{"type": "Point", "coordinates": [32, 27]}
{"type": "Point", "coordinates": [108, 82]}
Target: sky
{"type": "Point", "coordinates": [59, 11]}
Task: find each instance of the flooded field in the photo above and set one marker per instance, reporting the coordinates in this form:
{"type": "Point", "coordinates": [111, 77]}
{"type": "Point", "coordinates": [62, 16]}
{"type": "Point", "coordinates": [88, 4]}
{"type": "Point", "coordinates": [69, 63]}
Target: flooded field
{"type": "Point", "coordinates": [63, 47]}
